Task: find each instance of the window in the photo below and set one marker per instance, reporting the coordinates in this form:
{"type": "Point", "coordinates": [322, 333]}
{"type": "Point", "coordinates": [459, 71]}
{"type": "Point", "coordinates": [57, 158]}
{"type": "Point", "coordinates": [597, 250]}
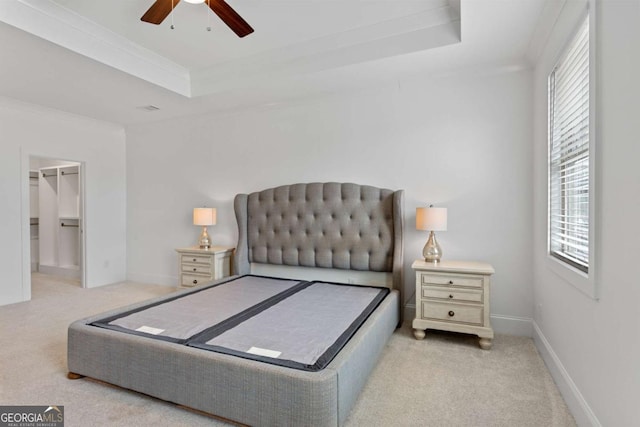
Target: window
{"type": "Point", "coordinates": [570, 152]}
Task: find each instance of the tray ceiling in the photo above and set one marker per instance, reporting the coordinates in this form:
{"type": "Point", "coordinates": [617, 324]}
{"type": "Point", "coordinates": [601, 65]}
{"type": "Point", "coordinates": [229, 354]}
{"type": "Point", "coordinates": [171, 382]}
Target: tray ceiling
{"type": "Point", "coordinates": [292, 36]}
{"type": "Point", "coordinates": [96, 58]}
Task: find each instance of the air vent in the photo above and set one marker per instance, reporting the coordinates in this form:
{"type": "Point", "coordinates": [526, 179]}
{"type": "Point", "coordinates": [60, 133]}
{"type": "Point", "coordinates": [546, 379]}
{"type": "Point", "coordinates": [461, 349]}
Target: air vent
{"type": "Point", "coordinates": [149, 108]}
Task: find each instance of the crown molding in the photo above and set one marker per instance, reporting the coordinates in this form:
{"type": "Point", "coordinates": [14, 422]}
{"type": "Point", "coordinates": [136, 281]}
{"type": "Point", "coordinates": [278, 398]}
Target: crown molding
{"type": "Point", "coordinates": [427, 30]}
{"type": "Point", "coordinates": [59, 115]}
{"type": "Point", "coordinates": [58, 25]}
{"type": "Point", "coordinates": [435, 27]}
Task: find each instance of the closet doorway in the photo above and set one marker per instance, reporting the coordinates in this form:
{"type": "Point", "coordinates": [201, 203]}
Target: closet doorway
{"type": "Point", "coordinates": [56, 222]}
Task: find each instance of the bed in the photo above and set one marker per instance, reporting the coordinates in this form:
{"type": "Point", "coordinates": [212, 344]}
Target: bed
{"type": "Point", "coordinates": [326, 238]}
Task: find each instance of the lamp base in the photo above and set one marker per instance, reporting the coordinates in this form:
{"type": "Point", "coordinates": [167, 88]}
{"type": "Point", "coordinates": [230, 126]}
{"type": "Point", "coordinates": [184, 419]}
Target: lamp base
{"type": "Point", "coordinates": [204, 242]}
{"type": "Point", "coordinates": [432, 251]}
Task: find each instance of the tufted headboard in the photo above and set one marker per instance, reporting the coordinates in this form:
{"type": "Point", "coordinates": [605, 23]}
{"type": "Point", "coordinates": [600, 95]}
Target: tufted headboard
{"type": "Point", "coordinates": [322, 225]}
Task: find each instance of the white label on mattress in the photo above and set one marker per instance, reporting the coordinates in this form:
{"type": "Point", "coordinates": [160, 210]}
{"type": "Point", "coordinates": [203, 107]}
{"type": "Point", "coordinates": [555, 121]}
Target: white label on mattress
{"type": "Point", "coordinates": [150, 330]}
{"type": "Point", "coordinates": [264, 352]}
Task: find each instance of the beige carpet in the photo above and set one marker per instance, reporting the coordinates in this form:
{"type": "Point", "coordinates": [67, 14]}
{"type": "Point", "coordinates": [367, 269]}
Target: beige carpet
{"type": "Point", "coordinates": [445, 380]}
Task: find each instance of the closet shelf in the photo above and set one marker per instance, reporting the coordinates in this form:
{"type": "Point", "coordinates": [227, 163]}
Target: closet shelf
{"type": "Point", "coordinates": [60, 228]}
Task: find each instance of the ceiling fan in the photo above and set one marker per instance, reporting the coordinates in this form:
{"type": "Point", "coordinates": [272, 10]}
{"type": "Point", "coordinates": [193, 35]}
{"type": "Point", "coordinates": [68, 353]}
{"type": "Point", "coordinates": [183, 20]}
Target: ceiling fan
{"type": "Point", "coordinates": [162, 8]}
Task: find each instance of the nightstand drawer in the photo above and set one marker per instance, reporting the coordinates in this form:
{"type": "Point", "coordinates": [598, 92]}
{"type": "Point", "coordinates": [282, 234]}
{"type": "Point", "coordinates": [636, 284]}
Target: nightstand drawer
{"type": "Point", "coordinates": [198, 266]}
{"type": "Point", "coordinates": [192, 280]}
{"type": "Point", "coordinates": [196, 259]}
{"type": "Point", "coordinates": [453, 294]}
{"type": "Point", "coordinates": [195, 268]}
{"type": "Point", "coordinates": [451, 280]}
{"type": "Point", "coordinates": [452, 312]}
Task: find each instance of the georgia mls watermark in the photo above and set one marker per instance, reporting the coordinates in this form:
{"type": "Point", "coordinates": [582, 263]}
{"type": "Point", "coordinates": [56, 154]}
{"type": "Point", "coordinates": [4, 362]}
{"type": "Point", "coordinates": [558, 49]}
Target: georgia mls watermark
{"type": "Point", "coordinates": [31, 416]}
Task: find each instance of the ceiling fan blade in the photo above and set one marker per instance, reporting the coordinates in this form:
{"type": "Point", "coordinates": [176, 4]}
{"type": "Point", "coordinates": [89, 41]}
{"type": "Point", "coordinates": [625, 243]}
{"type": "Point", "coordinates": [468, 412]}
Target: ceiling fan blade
{"type": "Point", "coordinates": [158, 11]}
{"type": "Point", "coordinates": [230, 17]}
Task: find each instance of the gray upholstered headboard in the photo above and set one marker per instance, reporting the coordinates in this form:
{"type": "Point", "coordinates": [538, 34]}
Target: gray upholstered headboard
{"type": "Point", "coordinates": [322, 225]}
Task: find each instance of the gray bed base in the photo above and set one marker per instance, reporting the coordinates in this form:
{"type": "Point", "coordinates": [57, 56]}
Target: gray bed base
{"type": "Point", "coordinates": [339, 226]}
{"type": "Point", "coordinates": [240, 390]}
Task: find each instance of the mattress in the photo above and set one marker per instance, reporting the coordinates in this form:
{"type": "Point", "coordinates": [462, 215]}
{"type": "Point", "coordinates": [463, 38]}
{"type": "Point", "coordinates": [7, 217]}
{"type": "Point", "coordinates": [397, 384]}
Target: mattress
{"type": "Point", "coordinates": [291, 323]}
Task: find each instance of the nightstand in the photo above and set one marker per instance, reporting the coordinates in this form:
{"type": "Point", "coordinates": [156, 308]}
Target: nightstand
{"type": "Point", "coordinates": [199, 266]}
{"type": "Point", "coordinates": [453, 296]}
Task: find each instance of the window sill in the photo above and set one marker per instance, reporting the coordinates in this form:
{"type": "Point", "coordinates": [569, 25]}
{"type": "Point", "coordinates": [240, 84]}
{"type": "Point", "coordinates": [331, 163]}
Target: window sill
{"type": "Point", "coordinates": [582, 281]}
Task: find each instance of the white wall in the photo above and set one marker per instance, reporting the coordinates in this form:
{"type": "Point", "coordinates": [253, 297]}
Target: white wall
{"type": "Point", "coordinates": [462, 141]}
{"type": "Point", "coordinates": [30, 130]}
{"type": "Point", "coordinates": [592, 347]}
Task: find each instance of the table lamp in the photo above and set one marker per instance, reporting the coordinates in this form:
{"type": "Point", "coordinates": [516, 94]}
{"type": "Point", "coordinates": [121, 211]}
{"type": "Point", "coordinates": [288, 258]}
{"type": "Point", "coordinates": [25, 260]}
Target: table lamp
{"type": "Point", "coordinates": [204, 217]}
{"type": "Point", "coordinates": [431, 219]}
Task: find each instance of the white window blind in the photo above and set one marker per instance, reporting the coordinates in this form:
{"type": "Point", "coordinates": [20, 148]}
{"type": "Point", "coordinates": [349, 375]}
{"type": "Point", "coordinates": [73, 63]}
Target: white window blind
{"type": "Point", "coordinates": [569, 154]}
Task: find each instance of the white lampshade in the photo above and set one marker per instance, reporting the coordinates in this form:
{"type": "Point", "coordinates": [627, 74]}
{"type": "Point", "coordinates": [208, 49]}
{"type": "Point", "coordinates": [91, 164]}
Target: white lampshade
{"type": "Point", "coordinates": [433, 219]}
{"type": "Point", "coordinates": [204, 216]}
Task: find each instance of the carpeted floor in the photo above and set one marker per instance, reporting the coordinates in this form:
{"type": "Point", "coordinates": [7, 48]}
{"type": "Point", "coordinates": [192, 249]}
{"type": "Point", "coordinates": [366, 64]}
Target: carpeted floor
{"type": "Point", "coordinates": [444, 380]}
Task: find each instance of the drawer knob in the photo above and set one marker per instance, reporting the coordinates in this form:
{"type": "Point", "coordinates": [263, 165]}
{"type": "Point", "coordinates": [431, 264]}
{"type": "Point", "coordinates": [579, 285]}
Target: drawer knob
{"type": "Point", "coordinates": [451, 313]}
{"type": "Point", "coordinates": [195, 282]}
{"type": "Point", "coordinates": [450, 295]}
{"type": "Point", "coordinates": [195, 269]}
{"type": "Point", "coordinates": [194, 260]}
{"type": "Point", "coordinates": [451, 282]}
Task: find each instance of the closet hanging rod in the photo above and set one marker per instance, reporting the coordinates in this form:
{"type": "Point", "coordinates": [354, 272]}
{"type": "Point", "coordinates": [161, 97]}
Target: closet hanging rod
{"type": "Point", "coordinates": [68, 173]}
{"type": "Point", "coordinates": [47, 176]}
{"type": "Point", "coordinates": [68, 225]}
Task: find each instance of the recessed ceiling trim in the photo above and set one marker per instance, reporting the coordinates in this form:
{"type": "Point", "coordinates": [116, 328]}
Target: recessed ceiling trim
{"type": "Point", "coordinates": [437, 26]}
{"type": "Point", "coordinates": [430, 29]}
{"type": "Point", "coordinates": [52, 22]}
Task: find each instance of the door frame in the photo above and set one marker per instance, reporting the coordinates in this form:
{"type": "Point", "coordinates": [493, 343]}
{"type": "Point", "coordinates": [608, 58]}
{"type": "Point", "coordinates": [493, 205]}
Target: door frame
{"type": "Point", "coordinates": [25, 218]}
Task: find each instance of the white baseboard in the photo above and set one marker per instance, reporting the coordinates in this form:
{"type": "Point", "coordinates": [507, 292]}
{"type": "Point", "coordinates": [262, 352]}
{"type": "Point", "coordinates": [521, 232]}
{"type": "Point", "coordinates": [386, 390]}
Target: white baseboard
{"type": "Point", "coordinates": [577, 404]}
{"type": "Point", "coordinates": [512, 325]}
{"type": "Point", "coordinates": [409, 313]}
{"type": "Point", "coordinates": [73, 273]}
{"type": "Point", "coordinates": [508, 325]}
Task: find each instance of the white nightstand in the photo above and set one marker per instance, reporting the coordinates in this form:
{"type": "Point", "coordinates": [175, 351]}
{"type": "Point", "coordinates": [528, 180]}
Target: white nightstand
{"type": "Point", "coordinates": [453, 296]}
{"type": "Point", "coordinates": [199, 266]}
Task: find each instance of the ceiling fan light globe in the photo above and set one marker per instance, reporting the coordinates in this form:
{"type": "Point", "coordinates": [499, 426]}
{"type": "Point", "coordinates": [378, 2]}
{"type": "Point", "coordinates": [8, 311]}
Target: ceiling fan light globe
{"type": "Point", "coordinates": [194, 1]}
